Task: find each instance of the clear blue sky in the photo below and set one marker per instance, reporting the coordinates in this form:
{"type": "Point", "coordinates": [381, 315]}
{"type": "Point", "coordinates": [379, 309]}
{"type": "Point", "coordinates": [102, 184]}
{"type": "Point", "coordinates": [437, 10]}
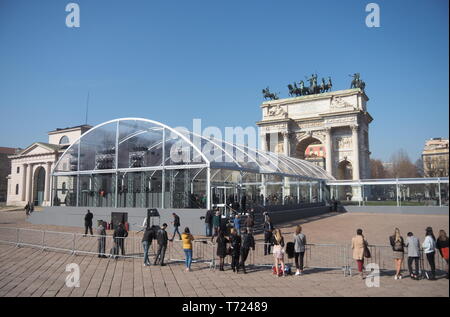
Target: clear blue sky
{"type": "Point", "coordinates": [173, 61]}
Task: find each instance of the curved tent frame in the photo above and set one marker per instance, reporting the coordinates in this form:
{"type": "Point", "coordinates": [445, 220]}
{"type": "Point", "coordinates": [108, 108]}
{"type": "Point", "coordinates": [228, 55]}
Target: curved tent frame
{"type": "Point", "coordinates": [105, 142]}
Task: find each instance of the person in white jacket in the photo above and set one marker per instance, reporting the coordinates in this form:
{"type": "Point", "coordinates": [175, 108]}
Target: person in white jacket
{"type": "Point", "coordinates": [429, 248]}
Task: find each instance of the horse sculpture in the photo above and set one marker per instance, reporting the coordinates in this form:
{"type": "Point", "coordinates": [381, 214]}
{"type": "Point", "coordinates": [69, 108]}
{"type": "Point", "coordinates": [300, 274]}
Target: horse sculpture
{"type": "Point", "coordinates": [267, 94]}
{"type": "Point", "coordinates": [357, 82]}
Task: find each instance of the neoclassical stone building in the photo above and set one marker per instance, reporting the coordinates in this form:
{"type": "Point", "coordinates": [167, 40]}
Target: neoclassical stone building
{"type": "Point", "coordinates": [30, 177]}
{"type": "Point", "coordinates": [338, 120]}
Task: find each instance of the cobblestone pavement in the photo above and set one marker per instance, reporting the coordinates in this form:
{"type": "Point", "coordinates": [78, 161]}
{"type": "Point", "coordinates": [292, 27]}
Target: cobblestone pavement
{"type": "Point", "coordinates": [27, 271]}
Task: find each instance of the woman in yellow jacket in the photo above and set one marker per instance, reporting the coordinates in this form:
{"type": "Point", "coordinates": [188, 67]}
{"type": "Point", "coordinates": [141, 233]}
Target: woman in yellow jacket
{"type": "Point", "coordinates": [187, 239]}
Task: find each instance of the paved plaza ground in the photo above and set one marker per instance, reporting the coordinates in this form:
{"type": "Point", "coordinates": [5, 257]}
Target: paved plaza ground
{"type": "Point", "coordinates": [27, 271]}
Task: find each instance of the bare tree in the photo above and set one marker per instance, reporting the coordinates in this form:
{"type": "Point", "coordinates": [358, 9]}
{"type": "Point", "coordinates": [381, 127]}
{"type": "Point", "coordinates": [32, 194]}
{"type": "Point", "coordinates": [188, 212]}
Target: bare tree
{"type": "Point", "coordinates": [402, 167]}
{"type": "Point", "coordinates": [377, 170]}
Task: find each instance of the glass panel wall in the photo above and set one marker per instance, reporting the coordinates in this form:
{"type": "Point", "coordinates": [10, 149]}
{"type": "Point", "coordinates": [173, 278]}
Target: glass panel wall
{"type": "Point", "coordinates": [65, 190]}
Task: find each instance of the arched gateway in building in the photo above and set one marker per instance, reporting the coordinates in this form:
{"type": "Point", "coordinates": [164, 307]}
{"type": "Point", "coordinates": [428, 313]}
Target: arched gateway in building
{"type": "Point", "coordinates": [330, 130]}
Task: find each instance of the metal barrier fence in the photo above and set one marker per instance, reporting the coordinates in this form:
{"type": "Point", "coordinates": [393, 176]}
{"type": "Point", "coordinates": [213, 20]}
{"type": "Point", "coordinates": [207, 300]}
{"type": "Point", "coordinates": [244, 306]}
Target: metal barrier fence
{"type": "Point", "coordinates": [317, 256]}
{"type": "Point", "coordinates": [383, 256]}
{"type": "Point", "coordinates": [77, 243]}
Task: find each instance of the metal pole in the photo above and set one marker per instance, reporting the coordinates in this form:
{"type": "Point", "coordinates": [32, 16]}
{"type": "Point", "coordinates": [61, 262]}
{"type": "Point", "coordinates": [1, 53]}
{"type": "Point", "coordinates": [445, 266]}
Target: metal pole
{"type": "Point", "coordinates": [43, 240]}
{"type": "Point", "coordinates": [17, 237]}
{"type": "Point", "coordinates": [117, 164]}
{"type": "Point", "coordinates": [397, 192]}
{"type": "Point", "coordinates": [439, 188]}
{"type": "Point", "coordinates": [208, 188]}
{"type": "Point", "coordinates": [73, 244]}
{"type": "Point", "coordinates": [163, 172]}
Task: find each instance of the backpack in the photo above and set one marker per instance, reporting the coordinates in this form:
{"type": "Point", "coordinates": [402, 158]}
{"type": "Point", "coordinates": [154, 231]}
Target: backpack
{"type": "Point", "coordinates": [287, 269]}
{"type": "Point", "coordinates": [290, 249]}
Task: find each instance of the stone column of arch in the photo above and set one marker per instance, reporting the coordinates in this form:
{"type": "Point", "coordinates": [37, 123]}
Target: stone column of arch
{"type": "Point", "coordinates": [24, 181]}
{"type": "Point", "coordinates": [355, 143]}
{"type": "Point", "coordinates": [47, 182]}
{"type": "Point", "coordinates": [328, 154]}
{"type": "Point", "coordinates": [29, 185]}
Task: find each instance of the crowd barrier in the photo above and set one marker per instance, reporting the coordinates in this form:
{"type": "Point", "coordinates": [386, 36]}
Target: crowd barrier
{"type": "Point", "coordinates": [317, 256]}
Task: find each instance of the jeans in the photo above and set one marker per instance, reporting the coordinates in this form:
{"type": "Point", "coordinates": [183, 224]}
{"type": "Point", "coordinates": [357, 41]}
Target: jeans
{"type": "Point", "coordinates": [267, 244]}
{"type": "Point", "coordinates": [244, 255]}
{"type": "Point", "coordinates": [430, 258]}
{"type": "Point", "coordinates": [101, 246]}
{"type": "Point", "coordinates": [146, 246]}
{"type": "Point", "coordinates": [188, 254]}
{"type": "Point", "coordinates": [161, 254]}
{"type": "Point", "coordinates": [175, 230]}
{"type": "Point", "coordinates": [410, 262]}
{"type": "Point", "coordinates": [120, 244]}
{"type": "Point", "coordinates": [208, 229]}
{"type": "Point", "coordinates": [299, 264]}
{"type": "Point", "coordinates": [235, 260]}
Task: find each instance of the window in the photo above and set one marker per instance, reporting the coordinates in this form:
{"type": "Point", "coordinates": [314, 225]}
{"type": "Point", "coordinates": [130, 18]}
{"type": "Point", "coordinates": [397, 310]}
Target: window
{"type": "Point", "coordinates": [17, 189]}
{"type": "Point", "coordinates": [64, 140]}
{"type": "Point", "coordinates": [18, 169]}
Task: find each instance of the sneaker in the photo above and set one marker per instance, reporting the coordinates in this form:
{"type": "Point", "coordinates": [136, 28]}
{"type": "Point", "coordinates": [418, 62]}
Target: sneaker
{"type": "Point", "coordinates": [297, 273]}
{"type": "Point", "coordinates": [400, 277]}
{"type": "Point", "coordinates": [396, 277]}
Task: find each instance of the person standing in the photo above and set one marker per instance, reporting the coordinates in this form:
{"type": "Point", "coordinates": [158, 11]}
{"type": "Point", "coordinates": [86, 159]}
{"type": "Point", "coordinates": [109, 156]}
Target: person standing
{"type": "Point", "coordinates": [268, 228]}
{"type": "Point", "coordinates": [101, 233]}
{"type": "Point", "coordinates": [358, 245]}
{"type": "Point", "coordinates": [398, 244]}
{"type": "Point", "coordinates": [88, 222]}
{"type": "Point", "coordinates": [216, 222]}
{"type": "Point", "coordinates": [299, 249]}
{"type": "Point", "coordinates": [27, 209]}
{"type": "Point", "coordinates": [187, 239]}
{"type": "Point", "coordinates": [147, 240]}
{"type": "Point", "coordinates": [176, 224]}
{"type": "Point", "coordinates": [221, 242]}
{"type": "Point", "coordinates": [237, 224]}
{"type": "Point", "coordinates": [429, 248]}
{"type": "Point", "coordinates": [249, 222]}
{"type": "Point", "coordinates": [235, 241]}
{"type": "Point", "coordinates": [248, 242]}
{"type": "Point", "coordinates": [119, 236]}
{"type": "Point", "coordinates": [413, 245]}
{"type": "Point", "coordinates": [278, 251]}
{"type": "Point", "coordinates": [208, 222]}
{"type": "Point", "coordinates": [442, 246]}
{"type": "Point", "coordinates": [162, 238]}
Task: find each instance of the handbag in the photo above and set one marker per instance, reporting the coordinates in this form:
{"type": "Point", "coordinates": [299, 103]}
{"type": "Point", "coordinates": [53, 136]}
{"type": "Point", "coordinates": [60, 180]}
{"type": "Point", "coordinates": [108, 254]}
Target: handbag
{"type": "Point", "coordinates": [366, 251]}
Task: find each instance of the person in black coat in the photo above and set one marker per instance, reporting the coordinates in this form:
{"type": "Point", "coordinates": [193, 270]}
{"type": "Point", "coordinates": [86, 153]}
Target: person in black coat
{"type": "Point", "coordinates": [147, 239]}
{"type": "Point", "coordinates": [162, 239]}
{"type": "Point", "coordinates": [209, 222]}
{"type": "Point", "coordinates": [247, 242]}
{"type": "Point", "coordinates": [119, 236]}
{"type": "Point", "coordinates": [27, 209]}
{"type": "Point", "coordinates": [221, 242]}
{"type": "Point", "coordinates": [268, 228]}
{"type": "Point", "coordinates": [176, 224]}
{"type": "Point", "coordinates": [88, 222]}
{"type": "Point", "coordinates": [235, 241]}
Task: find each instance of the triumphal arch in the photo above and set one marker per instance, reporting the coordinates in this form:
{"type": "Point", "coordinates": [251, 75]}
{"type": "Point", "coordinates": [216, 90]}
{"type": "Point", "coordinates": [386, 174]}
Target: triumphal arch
{"type": "Point", "coordinates": [336, 123]}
